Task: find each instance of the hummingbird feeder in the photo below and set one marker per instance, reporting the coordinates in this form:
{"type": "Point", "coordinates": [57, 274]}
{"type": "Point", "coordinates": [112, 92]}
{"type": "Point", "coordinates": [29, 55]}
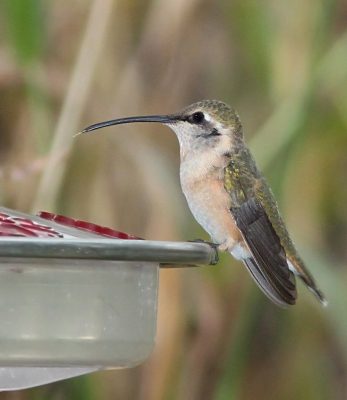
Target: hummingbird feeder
{"type": "Point", "coordinates": [77, 297]}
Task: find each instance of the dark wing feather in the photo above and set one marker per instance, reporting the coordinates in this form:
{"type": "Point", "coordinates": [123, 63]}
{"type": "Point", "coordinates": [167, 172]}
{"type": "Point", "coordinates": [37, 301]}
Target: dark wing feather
{"type": "Point", "coordinates": [262, 283]}
{"type": "Point", "coordinates": [268, 264]}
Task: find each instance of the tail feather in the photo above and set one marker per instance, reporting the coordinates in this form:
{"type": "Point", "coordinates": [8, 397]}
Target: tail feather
{"type": "Point", "coordinates": [297, 266]}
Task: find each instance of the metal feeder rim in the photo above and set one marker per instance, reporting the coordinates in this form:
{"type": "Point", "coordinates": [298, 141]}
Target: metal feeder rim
{"type": "Point", "coordinates": [163, 252]}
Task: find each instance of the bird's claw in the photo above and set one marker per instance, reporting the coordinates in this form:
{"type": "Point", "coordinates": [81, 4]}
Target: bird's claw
{"type": "Point", "coordinates": [214, 246]}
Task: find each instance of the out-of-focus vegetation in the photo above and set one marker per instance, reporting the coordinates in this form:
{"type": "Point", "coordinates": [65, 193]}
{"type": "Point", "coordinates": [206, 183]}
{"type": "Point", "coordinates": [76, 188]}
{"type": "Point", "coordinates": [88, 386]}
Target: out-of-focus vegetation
{"type": "Point", "coordinates": [283, 66]}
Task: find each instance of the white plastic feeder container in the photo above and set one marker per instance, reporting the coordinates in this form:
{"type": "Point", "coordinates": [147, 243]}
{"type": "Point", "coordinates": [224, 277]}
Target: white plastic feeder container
{"type": "Point", "coordinates": [80, 302]}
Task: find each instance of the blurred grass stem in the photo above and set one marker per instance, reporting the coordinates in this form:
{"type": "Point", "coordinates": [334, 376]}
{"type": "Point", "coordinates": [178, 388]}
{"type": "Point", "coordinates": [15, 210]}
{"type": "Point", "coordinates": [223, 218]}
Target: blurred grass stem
{"type": "Point", "coordinates": [73, 105]}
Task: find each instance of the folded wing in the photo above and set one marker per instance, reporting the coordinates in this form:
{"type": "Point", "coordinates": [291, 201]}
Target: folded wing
{"type": "Point", "coordinates": [268, 263]}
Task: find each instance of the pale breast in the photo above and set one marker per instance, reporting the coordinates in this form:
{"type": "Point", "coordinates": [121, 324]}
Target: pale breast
{"type": "Point", "coordinates": [203, 186]}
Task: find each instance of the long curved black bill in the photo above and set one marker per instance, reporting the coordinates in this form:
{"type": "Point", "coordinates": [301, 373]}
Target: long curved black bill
{"type": "Point", "coordinates": [163, 119]}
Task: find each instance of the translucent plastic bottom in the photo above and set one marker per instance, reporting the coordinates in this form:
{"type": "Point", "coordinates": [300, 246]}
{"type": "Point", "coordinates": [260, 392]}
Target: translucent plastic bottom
{"type": "Point", "coordinates": [80, 313]}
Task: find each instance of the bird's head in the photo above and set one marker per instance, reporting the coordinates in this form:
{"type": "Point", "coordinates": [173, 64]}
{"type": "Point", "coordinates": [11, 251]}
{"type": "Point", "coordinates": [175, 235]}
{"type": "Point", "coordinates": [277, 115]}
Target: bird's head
{"type": "Point", "coordinates": [201, 126]}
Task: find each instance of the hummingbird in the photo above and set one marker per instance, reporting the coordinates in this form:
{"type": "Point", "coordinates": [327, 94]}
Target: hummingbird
{"type": "Point", "coordinates": [230, 198]}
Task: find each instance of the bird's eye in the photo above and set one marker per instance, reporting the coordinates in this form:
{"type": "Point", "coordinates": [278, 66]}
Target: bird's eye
{"type": "Point", "coordinates": [197, 117]}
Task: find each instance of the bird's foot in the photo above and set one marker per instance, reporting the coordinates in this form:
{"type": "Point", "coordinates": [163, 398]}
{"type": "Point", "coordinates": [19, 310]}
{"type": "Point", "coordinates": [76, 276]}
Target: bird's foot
{"type": "Point", "coordinates": [214, 246]}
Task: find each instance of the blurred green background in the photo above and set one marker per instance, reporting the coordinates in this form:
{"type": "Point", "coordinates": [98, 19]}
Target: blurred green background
{"type": "Point", "coordinates": [283, 66]}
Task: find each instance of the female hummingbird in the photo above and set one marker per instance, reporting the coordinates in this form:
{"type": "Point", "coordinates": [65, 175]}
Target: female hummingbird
{"type": "Point", "coordinates": [230, 198]}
